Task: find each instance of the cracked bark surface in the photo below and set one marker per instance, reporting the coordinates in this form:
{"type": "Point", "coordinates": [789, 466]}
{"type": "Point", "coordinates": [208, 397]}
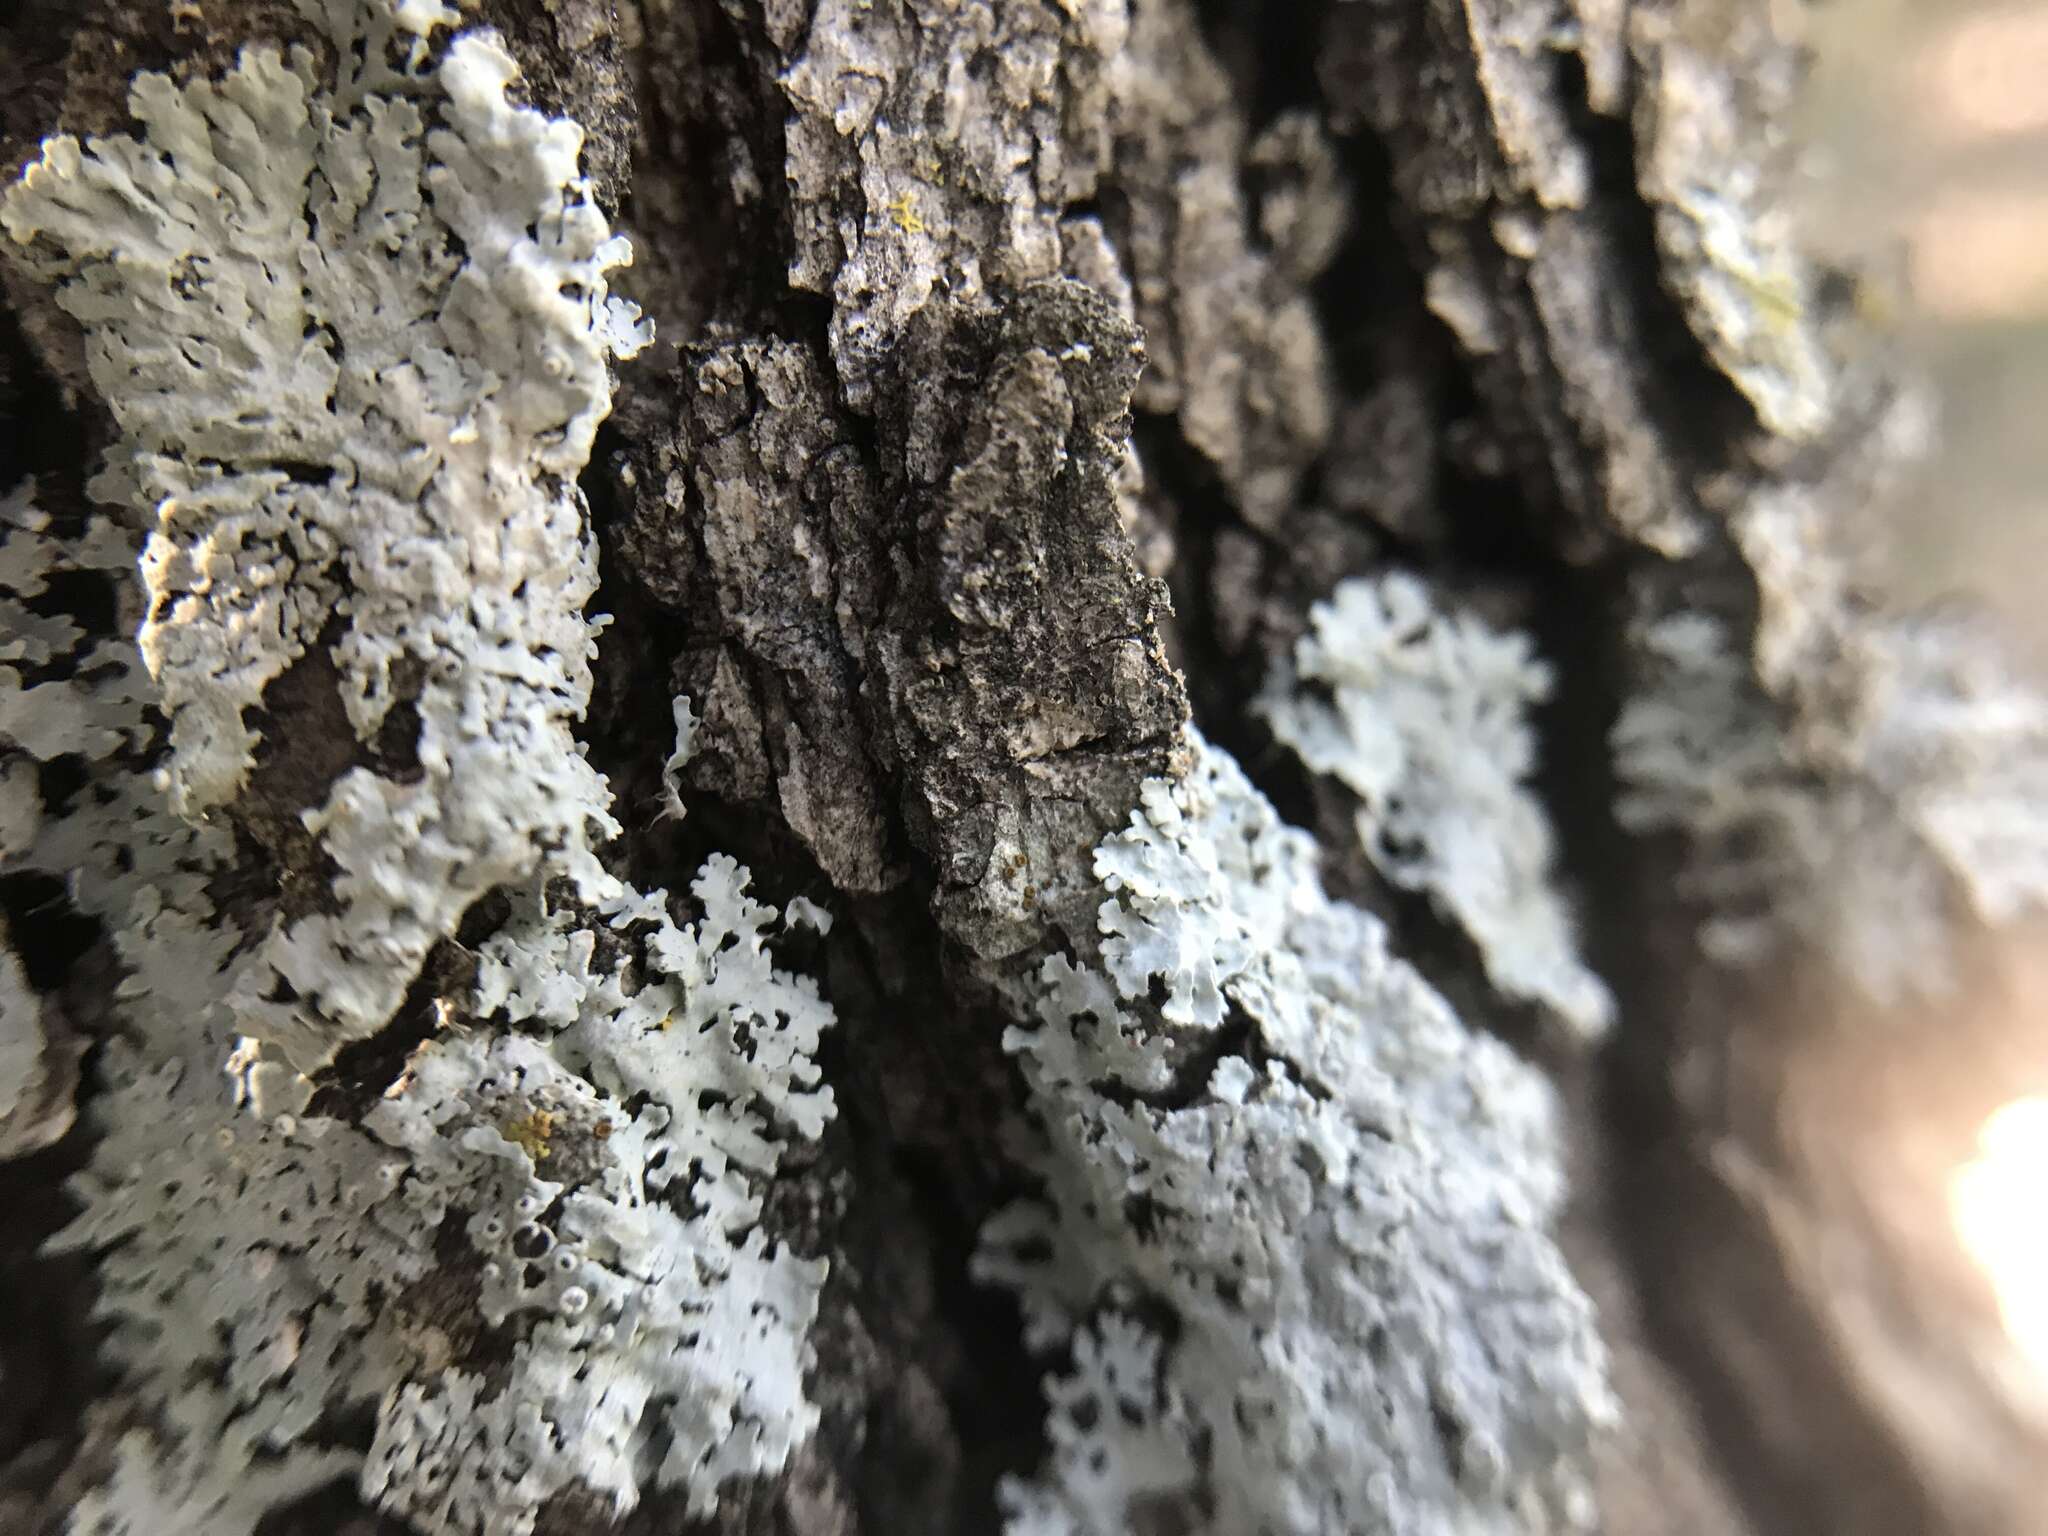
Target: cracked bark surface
{"type": "Point", "coordinates": [1026, 372]}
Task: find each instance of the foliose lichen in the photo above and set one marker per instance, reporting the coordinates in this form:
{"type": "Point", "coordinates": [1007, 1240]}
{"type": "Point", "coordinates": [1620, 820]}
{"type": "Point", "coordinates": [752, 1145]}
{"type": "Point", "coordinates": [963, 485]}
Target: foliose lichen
{"type": "Point", "coordinates": [349, 314]}
{"type": "Point", "coordinates": [1852, 783]}
{"type": "Point", "coordinates": [65, 694]}
{"type": "Point", "coordinates": [352, 324]}
{"type": "Point", "coordinates": [1424, 716]}
{"type": "Point", "coordinates": [1291, 1228]}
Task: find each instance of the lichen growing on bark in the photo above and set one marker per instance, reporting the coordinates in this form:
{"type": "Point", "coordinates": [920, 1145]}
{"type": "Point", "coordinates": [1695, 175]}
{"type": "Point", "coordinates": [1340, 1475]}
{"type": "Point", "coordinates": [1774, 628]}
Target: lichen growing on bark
{"type": "Point", "coordinates": [1333, 1191]}
{"type": "Point", "coordinates": [1037, 370]}
{"type": "Point", "coordinates": [351, 320]}
{"type": "Point", "coordinates": [1427, 723]}
{"type": "Point", "coordinates": [354, 331]}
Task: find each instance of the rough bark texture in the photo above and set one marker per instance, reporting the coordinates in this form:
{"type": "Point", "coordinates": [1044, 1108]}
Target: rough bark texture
{"type": "Point", "coordinates": [1025, 373]}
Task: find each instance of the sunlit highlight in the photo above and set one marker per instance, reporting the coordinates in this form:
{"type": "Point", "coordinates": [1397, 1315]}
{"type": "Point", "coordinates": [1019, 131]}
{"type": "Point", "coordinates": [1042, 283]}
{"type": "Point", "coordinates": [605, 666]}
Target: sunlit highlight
{"type": "Point", "coordinates": [2000, 1206]}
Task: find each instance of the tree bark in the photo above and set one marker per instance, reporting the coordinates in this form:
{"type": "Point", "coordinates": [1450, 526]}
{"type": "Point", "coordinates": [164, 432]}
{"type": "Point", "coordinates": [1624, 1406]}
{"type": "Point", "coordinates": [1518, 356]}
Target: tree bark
{"type": "Point", "coordinates": [1024, 376]}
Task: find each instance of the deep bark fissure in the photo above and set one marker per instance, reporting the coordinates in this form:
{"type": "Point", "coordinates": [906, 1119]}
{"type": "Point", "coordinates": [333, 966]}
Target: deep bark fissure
{"type": "Point", "coordinates": [1697, 409]}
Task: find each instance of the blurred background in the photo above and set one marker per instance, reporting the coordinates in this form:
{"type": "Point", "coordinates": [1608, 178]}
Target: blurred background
{"type": "Point", "coordinates": [1930, 125]}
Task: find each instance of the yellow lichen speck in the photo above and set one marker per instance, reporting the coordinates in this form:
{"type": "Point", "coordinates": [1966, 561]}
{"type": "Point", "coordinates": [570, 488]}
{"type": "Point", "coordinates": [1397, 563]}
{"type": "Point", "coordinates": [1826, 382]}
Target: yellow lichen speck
{"type": "Point", "coordinates": [530, 1133]}
{"type": "Point", "coordinates": [901, 209]}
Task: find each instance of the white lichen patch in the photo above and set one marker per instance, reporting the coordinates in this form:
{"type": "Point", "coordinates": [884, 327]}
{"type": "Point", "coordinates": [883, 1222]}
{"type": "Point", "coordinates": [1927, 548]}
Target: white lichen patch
{"type": "Point", "coordinates": [1116, 1445]}
{"type": "Point", "coordinates": [353, 328]}
{"type": "Point", "coordinates": [1851, 783]}
{"type": "Point", "coordinates": [609, 1184]}
{"type": "Point", "coordinates": [1334, 1209]}
{"type": "Point", "coordinates": [585, 1189]}
{"type": "Point", "coordinates": [66, 695]}
{"type": "Point", "coordinates": [1424, 716]}
{"type": "Point", "coordinates": [354, 331]}
{"type": "Point", "coordinates": [673, 765]}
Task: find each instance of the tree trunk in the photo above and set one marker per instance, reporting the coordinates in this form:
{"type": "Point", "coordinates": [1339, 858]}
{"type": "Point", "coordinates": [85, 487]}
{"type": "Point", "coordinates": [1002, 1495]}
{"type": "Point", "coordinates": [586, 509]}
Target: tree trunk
{"type": "Point", "coordinates": [1078, 443]}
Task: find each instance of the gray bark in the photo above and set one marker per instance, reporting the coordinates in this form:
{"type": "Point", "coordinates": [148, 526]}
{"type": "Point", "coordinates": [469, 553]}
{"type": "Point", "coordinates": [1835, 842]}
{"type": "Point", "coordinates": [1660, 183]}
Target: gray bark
{"type": "Point", "coordinates": [1026, 372]}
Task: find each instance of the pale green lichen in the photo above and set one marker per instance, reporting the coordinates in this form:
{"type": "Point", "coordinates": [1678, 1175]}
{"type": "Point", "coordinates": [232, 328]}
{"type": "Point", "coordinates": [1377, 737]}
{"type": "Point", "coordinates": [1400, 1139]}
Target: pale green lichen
{"type": "Point", "coordinates": [354, 332]}
{"type": "Point", "coordinates": [1851, 783]}
{"type": "Point", "coordinates": [1425, 716]}
{"type": "Point", "coordinates": [1337, 1220]}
